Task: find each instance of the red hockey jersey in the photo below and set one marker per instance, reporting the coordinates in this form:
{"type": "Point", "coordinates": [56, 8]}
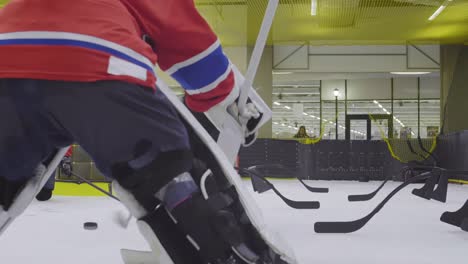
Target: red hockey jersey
{"type": "Point", "coordinates": [90, 40]}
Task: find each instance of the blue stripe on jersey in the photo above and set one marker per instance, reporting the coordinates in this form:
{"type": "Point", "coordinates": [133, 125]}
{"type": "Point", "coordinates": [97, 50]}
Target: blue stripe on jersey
{"type": "Point", "coordinates": [76, 43]}
{"type": "Point", "coordinates": [203, 72]}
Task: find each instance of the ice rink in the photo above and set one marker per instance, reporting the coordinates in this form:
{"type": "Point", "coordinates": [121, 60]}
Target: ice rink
{"type": "Point", "coordinates": [406, 231]}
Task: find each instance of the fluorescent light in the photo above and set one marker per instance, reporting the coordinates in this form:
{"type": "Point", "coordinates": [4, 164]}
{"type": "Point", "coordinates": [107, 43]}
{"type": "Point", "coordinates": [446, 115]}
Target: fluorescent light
{"type": "Point", "coordinates": [318, 118]}
{"type": "Point", "coordinates": [380, 106]}
{"type": "Point", "coordinates": [276, 123]}
{"type": "Point", "coordinates": [290, 126]}
{"type": "Point", "coordinates": [325, 120]}
{"type": "Point", "coordinates": [312, 116]}
{"type": "Point", "coordinates": [437, 12]}
{"type": "Point", "coordinates": [281, 72]}
{"type": "Point", "coordinates": [304, 113]}
{"type": "Point", "coordinates": [283, 125]}
{"type": "Point", "coordinates": [409, 73]}
{"type": "Point", "coordinates": [313, 8]}
{"type": "Point", "coordinates": [287, 107]}
{"type": "Point", "coordinates": [276, 103]}
{"type": "Point", "coordinates": [375, 102]}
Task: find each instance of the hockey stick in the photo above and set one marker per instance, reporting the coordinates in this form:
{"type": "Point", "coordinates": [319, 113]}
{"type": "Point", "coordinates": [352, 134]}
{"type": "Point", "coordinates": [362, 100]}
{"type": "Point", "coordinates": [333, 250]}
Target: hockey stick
{"type": "Point", "coordinates": [368, 196]}
{"type": "Point", "coordinates": [456, 218]}
{"type": "Point", "coordinates": [352, 226]}
{"type": "Point", "coordinates": [313, 189]}
{"type": "Point", "coordinates": [122, 220]}
{"type": "Point", "coordinates": [257, 53]}
{"type": "Point", "coordinates": [278, 166]}
{"type": "Point", "coordinates": [289, 202]}
{"type": "Point", "coordinates": [95, 186]}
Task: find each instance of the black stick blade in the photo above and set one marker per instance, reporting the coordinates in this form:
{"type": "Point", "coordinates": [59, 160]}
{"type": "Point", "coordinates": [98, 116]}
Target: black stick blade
{"type": "Point", "coordinates": [298, 204]}
{"type": "Point", "coordinates": [339, 227]}
{"type": "Point", "coordinates": [464, 225]}
{"type": "Point", "coordinates": [366, 197]}
{"type": "Point", "coordinates": [294, 204]}
{"type": "Point", "coordinates": [352, 226]}
{"type": "Point", "coordinates": [456, 218]}
{"type": "Point", "coordinates": [314, 189]}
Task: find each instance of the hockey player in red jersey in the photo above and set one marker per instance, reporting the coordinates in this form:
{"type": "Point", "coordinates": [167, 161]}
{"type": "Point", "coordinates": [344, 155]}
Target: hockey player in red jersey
{"type": "Point", "coordinates": [83, 71]}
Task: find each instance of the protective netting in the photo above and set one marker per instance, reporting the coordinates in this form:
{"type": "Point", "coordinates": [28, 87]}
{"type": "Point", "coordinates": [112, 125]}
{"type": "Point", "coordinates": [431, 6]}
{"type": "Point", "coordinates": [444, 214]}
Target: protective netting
{"type": "Point", "coordinates": [405, 147]}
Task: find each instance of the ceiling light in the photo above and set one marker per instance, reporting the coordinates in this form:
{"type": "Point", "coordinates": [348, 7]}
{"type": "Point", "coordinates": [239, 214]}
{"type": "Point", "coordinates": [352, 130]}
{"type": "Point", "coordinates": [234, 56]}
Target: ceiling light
{"type": "Point", "coordinates": [438, 11]}
{"type": "Point", "coordinates": [290, 126]}
{"type": "Point", "coordinates": [287, 107]}
{"type": "Point", "coordinates": [325, 120]}
{"type": "Point", "coordinates": [276, 103]}
{"type": "Point", "coordinates": [304, 113]}
{"type": "Point", "coordinates": [312, 116]}
{"type": "Point", "coordinates": [375, 102]}
{"type": "Point", "coordinates": [276, 123]}
{"type": "Point", "coordinates": [380, 106]}
{"type": "Point", "coordinates": [313, 8]}
{"type": "Point", "coordinates": [283, 124]}
{"type": "Point", "coordinates": [409, 73]}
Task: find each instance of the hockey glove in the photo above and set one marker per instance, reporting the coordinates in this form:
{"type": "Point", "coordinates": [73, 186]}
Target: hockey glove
{"type": "Point", "coordinates": [238, 126]}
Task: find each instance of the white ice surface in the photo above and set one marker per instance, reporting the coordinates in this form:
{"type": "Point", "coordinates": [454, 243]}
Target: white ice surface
{"type": "Point", "coordinates": [406, 231]}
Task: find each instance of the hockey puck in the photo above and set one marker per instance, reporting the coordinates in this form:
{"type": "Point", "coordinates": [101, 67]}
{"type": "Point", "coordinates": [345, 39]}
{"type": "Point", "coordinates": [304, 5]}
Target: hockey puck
{"type": "Point", "coordinates": [90, 226]}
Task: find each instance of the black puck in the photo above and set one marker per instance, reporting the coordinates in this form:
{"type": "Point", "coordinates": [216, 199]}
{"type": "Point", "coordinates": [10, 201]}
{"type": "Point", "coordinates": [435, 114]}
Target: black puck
{"type": "Point", "coordinates": [90, 226]}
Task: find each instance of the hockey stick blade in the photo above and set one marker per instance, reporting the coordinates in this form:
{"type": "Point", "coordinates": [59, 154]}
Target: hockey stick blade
{"type": "Point", "coordinates": [352, 226]}
{"type": "Point", "coordinates": [289, 202]}
{"type": "Point", "coordinates": [314, 189]}
{"type": "Point", "coordinates": [464, 225]}
{"type": "Point", "coordinates": [366, 197]}
{"type": "Point", "coordinates": [281, 167]}
{"type": "Point", "coordinates": [456, 218]}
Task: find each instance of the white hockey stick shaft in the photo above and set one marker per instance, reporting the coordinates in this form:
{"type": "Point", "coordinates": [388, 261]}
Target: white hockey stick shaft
{"type": "Point", "coordinates": [257, 53]}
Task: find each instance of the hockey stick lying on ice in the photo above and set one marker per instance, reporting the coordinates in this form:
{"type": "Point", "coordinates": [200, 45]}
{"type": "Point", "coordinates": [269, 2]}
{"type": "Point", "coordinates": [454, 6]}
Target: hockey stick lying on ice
{"type": "Point", "coordinates": [281, 167]}
{"type": "Point", "coordinates": [252, 172]}
{"type": "Point", "coordinates": [122, 220]}
{"type": "Point", "coordinates": [369, 196]}
{"type": "Point", "coordinates": [313, 189]}
{"type": "Point", "coordinates": [95, 186]}
{"type": "Point", "coordinates": [352, 226]}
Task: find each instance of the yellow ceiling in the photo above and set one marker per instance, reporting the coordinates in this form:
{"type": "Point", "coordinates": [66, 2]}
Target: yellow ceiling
{"type": "Point", "coordinates": [344, 22]}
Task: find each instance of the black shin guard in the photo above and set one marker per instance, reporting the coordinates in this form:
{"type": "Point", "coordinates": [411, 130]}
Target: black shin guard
{"type": "Point", "coordinates": [174, 241]}
{"type": "Point", "coordinates": [199, 221]}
